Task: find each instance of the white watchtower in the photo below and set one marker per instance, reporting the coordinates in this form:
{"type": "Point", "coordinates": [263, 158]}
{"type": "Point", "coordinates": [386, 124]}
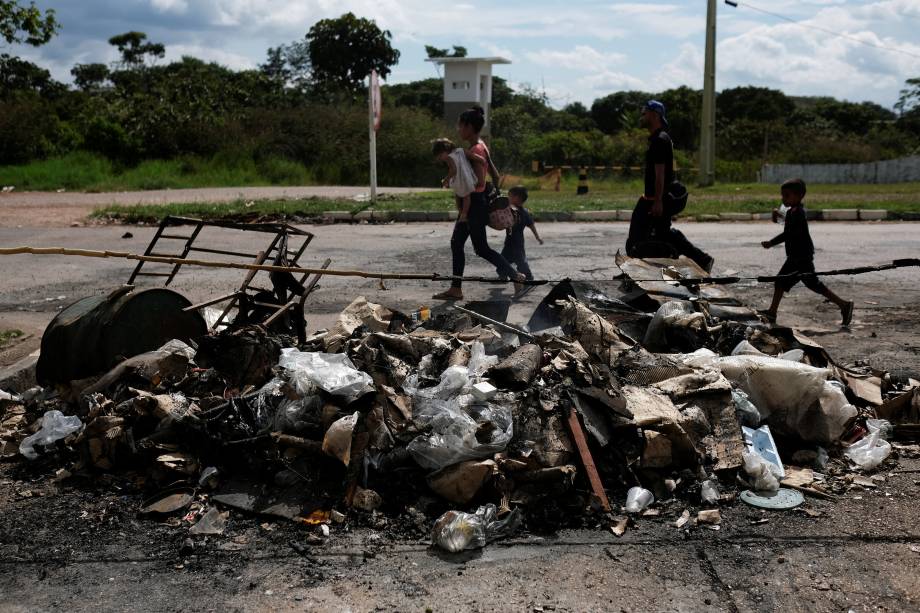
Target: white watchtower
{"type": "Point", "coordinates": [467, 81]}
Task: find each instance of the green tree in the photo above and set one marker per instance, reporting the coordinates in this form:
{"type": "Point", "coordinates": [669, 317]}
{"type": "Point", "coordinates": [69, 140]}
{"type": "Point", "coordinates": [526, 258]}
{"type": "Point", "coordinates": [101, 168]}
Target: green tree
{"type": "Point", "coordinates": [908, 107]}
{"type": "Point", "coordinates": [90, 77]}
{"type": "Point", "coordinates": [754, 103]}
{"type": "Point", "coordinates": [135, 49]}
{"type": "Point", "coordinates": [910, 96]}
{"type": "Point", "coordinates": [501, 92]}
{"type": "Point", "coordinates": [26, 24]}
{"type": "Point", "coordinates": [19, 76]}
{"type": "Point", "coordinates": [618, 111]}
{"type": "Point", "coordinates": [427, 94]}
{"type": "Point", "coordinates": [852, 117]}
{"type": "Point", "coordinates": [275, 66]}
{"type": "Point", "coordinates": [577, 109]}
{"type": "Point", "coordinates": [434, 52]}
{"type": "Point", "coordinates": [684, 107]}
{"type": "Point", "coordinates": [343, 52]}
{"type": "Point", "coordinates": [289, 66]}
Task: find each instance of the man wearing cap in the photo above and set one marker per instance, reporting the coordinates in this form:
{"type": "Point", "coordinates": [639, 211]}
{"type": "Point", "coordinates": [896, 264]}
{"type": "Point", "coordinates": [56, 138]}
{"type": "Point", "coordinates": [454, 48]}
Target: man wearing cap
{"type": "Point", "coordinates": [650, 219]}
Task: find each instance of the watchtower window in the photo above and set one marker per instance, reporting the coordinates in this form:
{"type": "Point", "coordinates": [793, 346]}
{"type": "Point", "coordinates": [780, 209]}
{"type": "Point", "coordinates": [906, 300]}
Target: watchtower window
{"type": "Point", "coordinates": [461, 84]}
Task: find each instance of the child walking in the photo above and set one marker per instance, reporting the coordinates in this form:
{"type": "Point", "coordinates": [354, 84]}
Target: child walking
{"type": "Point", "coordinates": [513, 251]}
{"type": "Point", "coordinates": [461, 176]}
{"type": "Point", "coordinates": [800, 253]}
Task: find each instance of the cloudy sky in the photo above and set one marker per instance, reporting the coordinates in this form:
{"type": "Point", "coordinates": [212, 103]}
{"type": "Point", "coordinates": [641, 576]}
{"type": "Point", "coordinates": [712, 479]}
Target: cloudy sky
{"type": "Point", "coordinates": [577, 50]}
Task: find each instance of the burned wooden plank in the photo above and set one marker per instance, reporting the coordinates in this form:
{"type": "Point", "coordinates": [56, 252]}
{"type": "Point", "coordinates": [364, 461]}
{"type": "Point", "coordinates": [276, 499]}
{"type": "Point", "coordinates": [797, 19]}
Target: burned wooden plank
{"type": "Point", "coordinates": [587, 460]}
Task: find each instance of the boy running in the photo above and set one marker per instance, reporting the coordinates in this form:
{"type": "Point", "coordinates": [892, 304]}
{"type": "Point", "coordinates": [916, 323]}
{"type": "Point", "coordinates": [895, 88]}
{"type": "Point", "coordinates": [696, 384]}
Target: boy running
{"type": "Point", "coordinates": [800, 253]}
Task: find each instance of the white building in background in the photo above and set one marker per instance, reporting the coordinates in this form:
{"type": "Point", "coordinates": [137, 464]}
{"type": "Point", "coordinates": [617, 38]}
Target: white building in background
{"type": "Point", "coordinates": [467, 81]}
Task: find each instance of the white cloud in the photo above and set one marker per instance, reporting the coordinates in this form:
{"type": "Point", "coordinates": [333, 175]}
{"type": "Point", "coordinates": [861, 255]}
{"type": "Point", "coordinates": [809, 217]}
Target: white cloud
{"type": "Point", "coordinates": [804, 60]}
{"type": "Point", "coordinates": [653, 18]}
{"type": "Point", "coordinates": [582, 58]}
{"type": "Point", "coordinates": [170, 6]}
{"type": "Point", "coordinates": [608, 81]}
{"type": "Point", "coordinates": [497, 50]}
{"type": "Point", "coordinates": [579, 49]}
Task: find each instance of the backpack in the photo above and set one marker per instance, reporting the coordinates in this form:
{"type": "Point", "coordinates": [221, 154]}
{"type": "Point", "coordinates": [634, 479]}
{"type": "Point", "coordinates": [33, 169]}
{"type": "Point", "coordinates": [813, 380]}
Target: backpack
{"type": "Point", "coordinates": [501, 215]}
{"type": "Point", "coordinates": [675, 199]}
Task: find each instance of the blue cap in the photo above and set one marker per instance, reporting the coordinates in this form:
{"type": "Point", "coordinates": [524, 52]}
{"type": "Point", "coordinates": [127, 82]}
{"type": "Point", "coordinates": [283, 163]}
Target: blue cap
{"type": "Point", "coordinates": [658, 107]}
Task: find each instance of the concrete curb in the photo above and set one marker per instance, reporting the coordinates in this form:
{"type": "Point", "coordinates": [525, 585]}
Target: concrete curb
{"type": "Point", "coordinates": [19, 376]}
{"type": "Point", "coordinates": [614, 215]}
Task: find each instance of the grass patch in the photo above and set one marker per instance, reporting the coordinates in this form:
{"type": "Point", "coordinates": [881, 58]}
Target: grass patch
{"type": "Point", "coordinates": [723, 198]}
{"type": "Point", "coordinates": [81, 171]}
{"type": "Point", "coordinates": [8, 336]}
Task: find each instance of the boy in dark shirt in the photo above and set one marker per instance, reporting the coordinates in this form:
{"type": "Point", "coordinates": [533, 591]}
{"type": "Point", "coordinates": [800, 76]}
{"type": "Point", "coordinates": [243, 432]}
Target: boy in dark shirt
{"type": "Point", "coordinates": [800, 253]}
{"type": "Point", "coordinates": [513, 251]}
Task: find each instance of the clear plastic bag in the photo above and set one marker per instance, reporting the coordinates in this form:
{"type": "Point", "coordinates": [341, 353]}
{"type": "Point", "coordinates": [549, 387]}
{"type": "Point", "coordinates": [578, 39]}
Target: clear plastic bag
{"type": "Point", "coordinates": [457, 429]}
{"type": "Point", "coordinates": [480, 362]}
{"type": "Point", "coordinates": [337, 441]}
{"type": "Point", "coordinates": [761, 472]}
{"type": "Point", "coordinates": [334, 373]}
{"type": "Point", "coordinates": [747, 413]}
{"type": "Point", "coordinates": [677, 313]}
{"type": "Point", "coordinates": [746, 348]}
{"type": "Point", "coordinates": [709, 491]}
{"type": "Point", "coordinates": [55, 426]}
{"type": "Point", "coordinates": [457, 531]}
{"type": "Point", "coordinates": [871, 450]}
{"type": "Point", "coordinates": [459, 433]}
{"type": "Point", "coordinates": [278, 407]}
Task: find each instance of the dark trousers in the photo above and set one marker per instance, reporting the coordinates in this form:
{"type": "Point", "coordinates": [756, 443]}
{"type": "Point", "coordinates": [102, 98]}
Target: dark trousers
{"type": "Point", "coordinates": [644, 227]}
{"type": "Point", "coordinates": [802, 267]}
{"type": "Point", "coordinates": [516, 255]}
{"type": "Point", "coordinates": [475, 230]}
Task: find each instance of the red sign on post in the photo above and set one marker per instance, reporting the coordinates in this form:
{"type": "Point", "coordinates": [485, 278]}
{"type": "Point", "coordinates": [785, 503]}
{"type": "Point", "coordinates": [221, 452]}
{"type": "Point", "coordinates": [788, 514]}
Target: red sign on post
{"type": "Point", "coordinates": [376, 102]}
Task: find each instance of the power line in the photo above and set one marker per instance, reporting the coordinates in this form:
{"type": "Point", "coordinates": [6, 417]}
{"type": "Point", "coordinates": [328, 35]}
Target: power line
{"type": "Point", "coordinates": [825, 30]}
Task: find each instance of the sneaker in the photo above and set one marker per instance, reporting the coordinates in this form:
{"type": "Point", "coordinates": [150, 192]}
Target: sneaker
{"type": "Point", "coordinates": [846, 311]}
{"type": "Point", "coordinates": [707, 266]}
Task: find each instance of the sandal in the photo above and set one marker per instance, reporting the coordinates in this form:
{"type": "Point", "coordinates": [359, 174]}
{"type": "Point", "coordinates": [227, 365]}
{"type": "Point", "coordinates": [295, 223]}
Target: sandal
{"type": "Point", "coordinates": [846, 311]}
{"type": "Point", "coordinates": [448, 295]}
{"type": "Point", "coordinates": [768, 315]}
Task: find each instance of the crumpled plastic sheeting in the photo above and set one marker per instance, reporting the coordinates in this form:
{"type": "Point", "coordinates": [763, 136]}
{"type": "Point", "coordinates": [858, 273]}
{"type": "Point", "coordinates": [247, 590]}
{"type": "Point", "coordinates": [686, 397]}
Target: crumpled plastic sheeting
{"type": "Point", "coordinates": [334, 373]}
{"type": "Point", "coordinates": [458, 430]}
{"type": "Point", "coordinates": [337, 441]}
{"type": "Point", "coordinates": [677, 313]}
{"type": "Point", "coordinates": [278, 407]}
{"type": "Point", "coordinates": [55, 426]}
{"type": "Point", "coordinates": [871, 450]}
{"type": "Point", "coordinates": [456, 531]}
{"type": "Point", "coordinates": [793, 397]}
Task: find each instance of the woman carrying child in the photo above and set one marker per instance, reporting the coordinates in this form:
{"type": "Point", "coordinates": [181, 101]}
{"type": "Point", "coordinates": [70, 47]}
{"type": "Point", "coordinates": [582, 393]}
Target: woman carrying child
{"type": "Point", "coordinates": [472, 224]}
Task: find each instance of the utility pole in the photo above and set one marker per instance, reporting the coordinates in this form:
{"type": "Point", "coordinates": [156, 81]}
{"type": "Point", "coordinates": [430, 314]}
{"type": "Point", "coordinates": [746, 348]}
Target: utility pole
{"type": "Point", "coordinates": [707, 173]}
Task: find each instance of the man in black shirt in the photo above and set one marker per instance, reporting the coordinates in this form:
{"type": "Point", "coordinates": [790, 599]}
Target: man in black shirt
{"type": "Point", "coordinates": [651, 220]}
{"type": "Point", "coordinates": [800, 253]}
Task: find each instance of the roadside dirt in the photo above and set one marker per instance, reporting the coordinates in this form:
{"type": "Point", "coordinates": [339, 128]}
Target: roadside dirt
{"type": "Point", "coordinates": [80, 545]}
{"type": "Point", "coordinates": [66, 208]}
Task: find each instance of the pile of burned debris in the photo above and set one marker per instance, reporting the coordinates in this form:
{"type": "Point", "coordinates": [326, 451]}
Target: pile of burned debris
{"type": "Point", "coordinates": [605, 406]}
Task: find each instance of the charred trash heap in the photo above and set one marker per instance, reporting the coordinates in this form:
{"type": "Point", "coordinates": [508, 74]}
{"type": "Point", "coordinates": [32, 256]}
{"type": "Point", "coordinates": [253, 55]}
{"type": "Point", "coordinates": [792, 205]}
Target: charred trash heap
{"type": "Point", "coordinates": [610, 406]}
